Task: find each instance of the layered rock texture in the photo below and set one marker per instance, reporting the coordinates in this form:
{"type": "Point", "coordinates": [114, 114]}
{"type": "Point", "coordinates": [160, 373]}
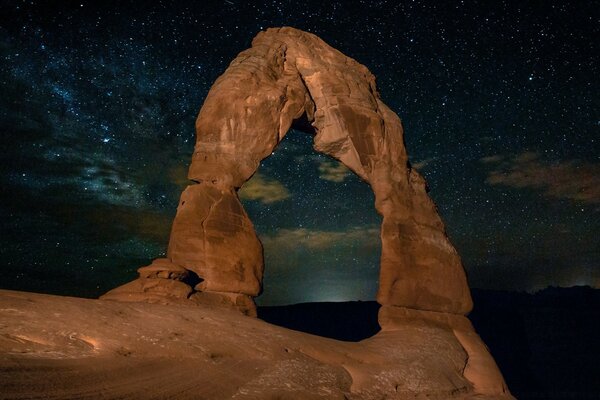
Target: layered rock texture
{"type": "Point", "coordinates": [290, 78]}
{"type": "Point", "coordinates": [55, 347]}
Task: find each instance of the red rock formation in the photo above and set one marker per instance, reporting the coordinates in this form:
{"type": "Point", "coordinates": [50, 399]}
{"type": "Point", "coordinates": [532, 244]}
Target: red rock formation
{"type": "Point", "coordinates": [290, 78]}
{"type": "Point", "coordinates": [54, 347]}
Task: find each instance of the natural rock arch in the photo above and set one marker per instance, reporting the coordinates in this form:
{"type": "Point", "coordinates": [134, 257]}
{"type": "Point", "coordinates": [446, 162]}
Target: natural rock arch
{"type": "Point", "coordinates": [290, 78]}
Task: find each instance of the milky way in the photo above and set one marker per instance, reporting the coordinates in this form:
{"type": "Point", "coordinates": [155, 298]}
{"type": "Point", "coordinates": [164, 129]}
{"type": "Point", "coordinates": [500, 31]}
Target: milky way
{"type": "Point", "coordinates": [499, 103]}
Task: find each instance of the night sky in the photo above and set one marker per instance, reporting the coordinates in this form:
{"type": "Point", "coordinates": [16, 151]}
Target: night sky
{"type": "Point", "coordinates": [499, 102]}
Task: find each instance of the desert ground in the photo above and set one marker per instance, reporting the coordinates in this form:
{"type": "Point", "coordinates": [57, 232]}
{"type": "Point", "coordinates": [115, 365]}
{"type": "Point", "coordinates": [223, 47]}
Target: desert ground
{"type": "Point", "coordinates": [54, 347]}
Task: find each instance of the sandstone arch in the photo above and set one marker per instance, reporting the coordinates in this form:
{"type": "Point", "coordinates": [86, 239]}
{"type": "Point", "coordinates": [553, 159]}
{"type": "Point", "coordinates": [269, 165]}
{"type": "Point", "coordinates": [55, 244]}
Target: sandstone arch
{"type": "Point", "coordinates": [292, 78]}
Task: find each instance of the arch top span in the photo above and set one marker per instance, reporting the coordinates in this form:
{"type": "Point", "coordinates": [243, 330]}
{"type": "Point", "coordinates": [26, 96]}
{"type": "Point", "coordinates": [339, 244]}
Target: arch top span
{"type": "Point", "coordinates": [292, 78]}
{"type": "Point", "coordinates": [288, 75]}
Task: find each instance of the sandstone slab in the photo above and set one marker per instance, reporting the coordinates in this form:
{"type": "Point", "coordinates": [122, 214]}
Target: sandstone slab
{"type": "Point", "coordinates": [68, 348]}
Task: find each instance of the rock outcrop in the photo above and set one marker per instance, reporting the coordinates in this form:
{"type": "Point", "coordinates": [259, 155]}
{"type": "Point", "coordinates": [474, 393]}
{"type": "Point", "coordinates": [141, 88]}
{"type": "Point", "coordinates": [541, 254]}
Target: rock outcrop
{"type": "Point", "coordinates": [290, 78]}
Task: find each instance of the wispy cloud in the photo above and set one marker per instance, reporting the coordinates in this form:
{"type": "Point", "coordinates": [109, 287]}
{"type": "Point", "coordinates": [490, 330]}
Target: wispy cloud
{"type": "Point", "coordinates": [491, 159]}
{"type": "Point", "coordinates": [324, 265]}
{"type": "Point", "coordinates": [570, 179]}
{"type": "Point", "coordinates": [423, 163]}
{"type": "Point", "coordinates": [333, 171]}
{"type": "Point", "coordinates": [318, 240]}
{"type": "Point", "coordinates": [263, 189]}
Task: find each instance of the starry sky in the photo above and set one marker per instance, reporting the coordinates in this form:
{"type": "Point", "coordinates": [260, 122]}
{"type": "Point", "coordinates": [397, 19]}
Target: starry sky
{"type": "Point", "coordinates": [499, 102]}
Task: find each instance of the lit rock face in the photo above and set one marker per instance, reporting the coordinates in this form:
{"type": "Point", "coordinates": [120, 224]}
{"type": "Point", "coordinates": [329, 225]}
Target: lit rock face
{"type": "Point", "coordinates": [54, 347]}
{"type": "Point", "coordinates": [213, 236]}
{"type": "Point", "coordinates": [290, 78]}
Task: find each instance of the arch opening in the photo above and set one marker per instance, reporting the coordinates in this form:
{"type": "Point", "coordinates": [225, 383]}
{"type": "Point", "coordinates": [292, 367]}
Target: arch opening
{"type": "Point", "coordinates": [317, 224]}
{"type": "Point", "coordinates": [320, 235]}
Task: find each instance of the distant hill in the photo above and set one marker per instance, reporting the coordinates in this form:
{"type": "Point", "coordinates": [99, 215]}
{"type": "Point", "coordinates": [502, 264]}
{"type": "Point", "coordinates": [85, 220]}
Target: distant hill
{"type": "Point", "coordinates": [547, 344]}
{"type": "Point", "coordinates": [350, 321]}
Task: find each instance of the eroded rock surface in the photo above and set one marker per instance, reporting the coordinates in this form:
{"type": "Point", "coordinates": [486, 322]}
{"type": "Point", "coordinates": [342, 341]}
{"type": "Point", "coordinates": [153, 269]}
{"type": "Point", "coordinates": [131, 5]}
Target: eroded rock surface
{"type": "Point", "coordinates": [56, 347]}
{"type": "Point", "coordinates": [213, 237]}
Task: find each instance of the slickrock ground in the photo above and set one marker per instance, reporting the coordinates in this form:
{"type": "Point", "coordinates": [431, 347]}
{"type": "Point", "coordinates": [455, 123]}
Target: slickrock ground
{"type": "Point", "coordinates": [55, 347]}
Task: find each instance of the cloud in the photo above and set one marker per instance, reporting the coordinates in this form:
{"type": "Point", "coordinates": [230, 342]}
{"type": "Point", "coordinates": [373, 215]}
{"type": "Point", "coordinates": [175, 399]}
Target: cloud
{"type": "Point", "coordinates": [491, 159]}
{"type": "Point", "coordinates": [318, 240]}
{"type": "Point", "coordinates": [571, 179]}
{"type": "Point", "coordinates": [321, 265]}
{"type": "Point", "coordinates": [263, 189]}
{"type": "Point", "coordinates": [333, 171]}
{"type": "Point", "coordinates": [423, 163]}
{"type": "Point", "coordinates": [93, 178]}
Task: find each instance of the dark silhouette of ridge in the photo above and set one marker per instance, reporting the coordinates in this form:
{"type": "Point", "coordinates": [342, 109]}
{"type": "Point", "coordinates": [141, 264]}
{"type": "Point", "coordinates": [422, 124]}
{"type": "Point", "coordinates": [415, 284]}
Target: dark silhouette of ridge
{"type": "Point", "coordinates": [348, 321]}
